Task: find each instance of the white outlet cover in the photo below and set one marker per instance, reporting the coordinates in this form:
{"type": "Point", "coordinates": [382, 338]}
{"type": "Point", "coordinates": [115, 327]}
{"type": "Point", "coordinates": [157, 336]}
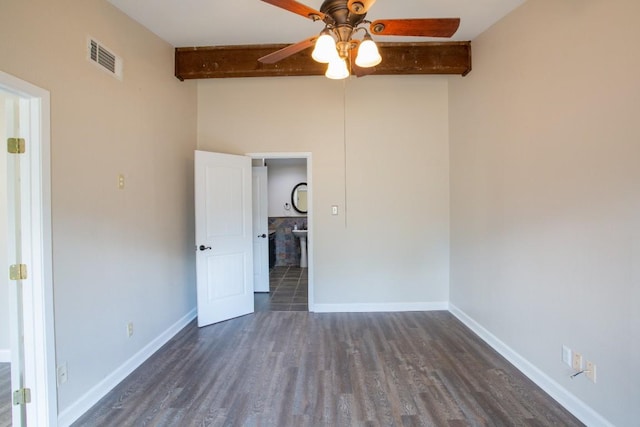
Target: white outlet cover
{"type": "Point", "coordinates": [591, 371]}
{"type": "Point", "coordinates": [62, 373]}
{"type": "Point", "coordinates": [577, 361]}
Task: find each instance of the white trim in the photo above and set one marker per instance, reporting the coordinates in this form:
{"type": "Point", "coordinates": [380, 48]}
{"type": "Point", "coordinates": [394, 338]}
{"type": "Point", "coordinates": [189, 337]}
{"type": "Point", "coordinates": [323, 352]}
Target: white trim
{"type": "Point", "coordinates": [382, 307]}
{"type": "Point", "coordinates": [39, 330]}
{"type": "Point", "coordinates": [82, 405]}
{"type": "Point", "coordinates": [570, 402]}
{"type": "Point", "coordinates": [5, 356]}
{"type": "Point", "coordinates": [310, 239]}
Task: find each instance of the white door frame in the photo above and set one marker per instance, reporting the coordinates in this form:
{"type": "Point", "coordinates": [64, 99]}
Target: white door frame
{"type": "Point", "coordinates": [310, 239]}
{"type": "Point", "coordinates": [39, 333]}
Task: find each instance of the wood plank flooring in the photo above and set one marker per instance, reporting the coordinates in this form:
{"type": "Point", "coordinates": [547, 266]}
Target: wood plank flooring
{"type": "Point", "coordinates": [5, 394]}
{"type": "Point", "coordinates": [345, 369]}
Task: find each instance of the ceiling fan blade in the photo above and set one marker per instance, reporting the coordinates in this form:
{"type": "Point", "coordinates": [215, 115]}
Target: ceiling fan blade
{"type": "Point", "coordinates": [299, 8]}
{"type": "Point", "coordinates": [427, 27]}
{"type": "Point", "coordinates": [360, 6]}
{"type": "Point", "coordinates": [281, 54]}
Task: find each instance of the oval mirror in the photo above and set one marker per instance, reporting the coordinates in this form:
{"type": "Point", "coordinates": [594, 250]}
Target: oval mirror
{"type": "Point", "coordinates": [299, 197]}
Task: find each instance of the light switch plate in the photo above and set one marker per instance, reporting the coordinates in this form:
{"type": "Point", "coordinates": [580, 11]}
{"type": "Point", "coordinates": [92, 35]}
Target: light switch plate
{"type": "Point", "coordinates": [566, 355]}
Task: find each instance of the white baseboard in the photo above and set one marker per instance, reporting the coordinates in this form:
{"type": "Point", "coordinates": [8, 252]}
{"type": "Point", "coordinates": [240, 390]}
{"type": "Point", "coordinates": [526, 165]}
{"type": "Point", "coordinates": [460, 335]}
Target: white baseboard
{"type": "Point", "coordinates": [5, 356]}
{"type": "Point", "coordinates": [82, 405]}
{"type": "Point", "coordinates": [381, 307]}
{"type": "Point", "coordinates": [570, 402]}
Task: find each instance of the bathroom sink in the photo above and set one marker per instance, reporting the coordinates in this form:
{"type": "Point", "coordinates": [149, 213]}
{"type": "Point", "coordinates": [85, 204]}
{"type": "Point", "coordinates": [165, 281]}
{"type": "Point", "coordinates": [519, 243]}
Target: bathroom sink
{"type": "Point", "coordinates": [302, 235]}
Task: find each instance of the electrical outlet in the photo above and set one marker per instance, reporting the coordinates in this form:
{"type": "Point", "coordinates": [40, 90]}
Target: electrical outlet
{"type": "Point", "coordinates": [566, 356]}
{"type": "Point", "coordinates": [576, 361]}
{"type": "Point", "coordinates": [62, 373]}
{"type": "Point", "coordinates": [121, 181]}
{"type": "Point", "coordinates": [334, 210]}
{"type": "Point", "coordinates": [129, 329]}
{"type": "Point", "coordinates": [591, 371]}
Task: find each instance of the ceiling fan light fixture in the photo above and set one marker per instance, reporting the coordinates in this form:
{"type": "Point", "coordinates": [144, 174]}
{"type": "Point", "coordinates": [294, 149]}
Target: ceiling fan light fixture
{"type": "Point", "coordinates": [335, 45]}
{"type": "Point", "coordinates": [368, 54]}
{"type": "Point", "coordinates": [337, 69]}
{"type": "Point", "coordinates": [325, 49]}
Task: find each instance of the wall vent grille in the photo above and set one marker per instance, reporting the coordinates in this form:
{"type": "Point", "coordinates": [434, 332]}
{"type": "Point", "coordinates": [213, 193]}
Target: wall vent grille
{"type": "Point", "coordinates": [106, 59]}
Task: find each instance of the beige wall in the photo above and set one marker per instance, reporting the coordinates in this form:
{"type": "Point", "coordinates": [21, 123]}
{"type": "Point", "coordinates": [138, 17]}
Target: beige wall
{"type": "Point", "coordinates": [390, 243]}
{"type": "Point", "coordinates": [545, 192]}
{"type": "Point", "coordinates": [118, 255]}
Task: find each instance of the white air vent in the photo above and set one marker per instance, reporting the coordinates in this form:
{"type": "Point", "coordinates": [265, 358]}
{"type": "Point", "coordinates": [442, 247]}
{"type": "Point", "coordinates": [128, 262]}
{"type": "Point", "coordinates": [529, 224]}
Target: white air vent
{"type": "Point", "coordinates": [103, 57]}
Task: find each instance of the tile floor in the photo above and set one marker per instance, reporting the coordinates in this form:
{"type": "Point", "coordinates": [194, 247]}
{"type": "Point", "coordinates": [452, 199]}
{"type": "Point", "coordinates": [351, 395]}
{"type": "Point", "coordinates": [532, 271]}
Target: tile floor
{"type": "Point", "coordinates": [288, 291]}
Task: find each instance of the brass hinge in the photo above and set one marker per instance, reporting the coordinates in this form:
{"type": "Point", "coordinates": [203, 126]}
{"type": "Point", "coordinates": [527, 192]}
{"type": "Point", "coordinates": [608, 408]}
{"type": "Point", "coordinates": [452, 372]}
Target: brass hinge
{"type": "Point", "coordinates": [18, 272]}
{"type": "Point", "coordinates": [16, 145]}
{"type": "Point", "coordinates": [22, 396]}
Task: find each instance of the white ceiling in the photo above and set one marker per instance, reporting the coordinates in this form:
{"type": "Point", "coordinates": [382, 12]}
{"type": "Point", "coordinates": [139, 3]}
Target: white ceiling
{"type": "Point", "coordinates": [185, 23]}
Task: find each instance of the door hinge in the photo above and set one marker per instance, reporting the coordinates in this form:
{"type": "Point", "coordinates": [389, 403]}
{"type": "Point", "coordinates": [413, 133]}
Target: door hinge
{"type": "Point", "coordinates": [16, 145]}
{"type": "Point", "coordinates": [22, 396]}
{"type": "Point", "coordinates": [18, 272]}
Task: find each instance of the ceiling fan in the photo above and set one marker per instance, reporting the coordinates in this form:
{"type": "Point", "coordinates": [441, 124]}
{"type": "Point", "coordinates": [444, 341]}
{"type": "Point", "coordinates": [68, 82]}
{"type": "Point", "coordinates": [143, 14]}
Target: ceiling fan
{"type": "Point", "coordinates": [343, 19]}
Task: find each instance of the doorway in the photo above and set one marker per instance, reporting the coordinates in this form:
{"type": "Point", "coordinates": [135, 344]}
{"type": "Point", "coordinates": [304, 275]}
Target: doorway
{"type": "Point", "coordinates": [26, 179]}
{"type": "Point", "coordinates": [290, 268]}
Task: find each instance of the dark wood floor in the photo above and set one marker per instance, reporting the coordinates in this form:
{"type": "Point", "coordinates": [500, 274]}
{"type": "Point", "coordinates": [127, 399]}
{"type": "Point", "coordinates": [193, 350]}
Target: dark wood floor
{"type": "Point", "coordinates": [5, 394]}
{"type": "Point", "coordinates": [348, 369]}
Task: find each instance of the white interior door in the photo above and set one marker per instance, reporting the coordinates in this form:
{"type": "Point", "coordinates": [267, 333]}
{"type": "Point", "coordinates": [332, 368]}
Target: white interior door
{"type": "Point", "coordinates": [224, 236]}
{"type": "Point", "coordinates": [260, 230]}
{"type": "Point", "coordinates": [17, 167]}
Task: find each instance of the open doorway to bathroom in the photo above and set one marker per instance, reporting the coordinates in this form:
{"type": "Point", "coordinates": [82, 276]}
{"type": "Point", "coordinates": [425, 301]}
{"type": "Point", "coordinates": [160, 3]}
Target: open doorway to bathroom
{"type": "Point", "coordinates": [288, 224]}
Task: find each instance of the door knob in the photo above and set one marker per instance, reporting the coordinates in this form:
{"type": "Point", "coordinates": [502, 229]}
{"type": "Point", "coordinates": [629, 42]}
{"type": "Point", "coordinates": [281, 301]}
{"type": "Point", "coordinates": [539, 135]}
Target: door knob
{"type": "Point", "coordinates": [204, 248]}
{"type": "Point", "coordinates": [264, 236]}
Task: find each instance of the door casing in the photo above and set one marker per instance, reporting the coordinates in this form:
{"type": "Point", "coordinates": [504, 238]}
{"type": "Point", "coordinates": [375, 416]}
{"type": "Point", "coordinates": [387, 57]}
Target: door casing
{"type": "Point", "coordinates": [39, 333]}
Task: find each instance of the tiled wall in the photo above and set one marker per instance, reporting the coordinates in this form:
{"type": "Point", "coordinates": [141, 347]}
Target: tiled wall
{"type": "Point", "coordinates": [287, 245]}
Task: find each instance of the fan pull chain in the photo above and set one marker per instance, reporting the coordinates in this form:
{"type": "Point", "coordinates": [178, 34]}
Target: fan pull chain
{"type": "Point", "coordinates": [344, 141]}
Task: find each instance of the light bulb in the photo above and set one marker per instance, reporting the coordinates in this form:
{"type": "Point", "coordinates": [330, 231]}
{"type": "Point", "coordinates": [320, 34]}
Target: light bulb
{"type": "Point", "coordinates": [337, 69]}
{"type": "Point", "coordinates": [368, 55]}
{"type": "Point", "coordinates": [325, 50]}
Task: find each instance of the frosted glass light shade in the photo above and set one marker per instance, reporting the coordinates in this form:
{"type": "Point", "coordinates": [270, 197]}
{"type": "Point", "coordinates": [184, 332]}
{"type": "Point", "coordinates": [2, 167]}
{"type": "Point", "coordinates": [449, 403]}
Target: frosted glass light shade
{"type": "Point", "coordinates": [337, 69]}
{"type": "Point", "coordinates": [325, 49]}
{"type": "Point", "coordinates": [368, 55]}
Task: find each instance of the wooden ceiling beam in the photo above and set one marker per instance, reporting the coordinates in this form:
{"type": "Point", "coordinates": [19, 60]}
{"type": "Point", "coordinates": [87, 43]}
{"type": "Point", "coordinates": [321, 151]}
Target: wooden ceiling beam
{"type": "Point", "coordinates": [215, 62]}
